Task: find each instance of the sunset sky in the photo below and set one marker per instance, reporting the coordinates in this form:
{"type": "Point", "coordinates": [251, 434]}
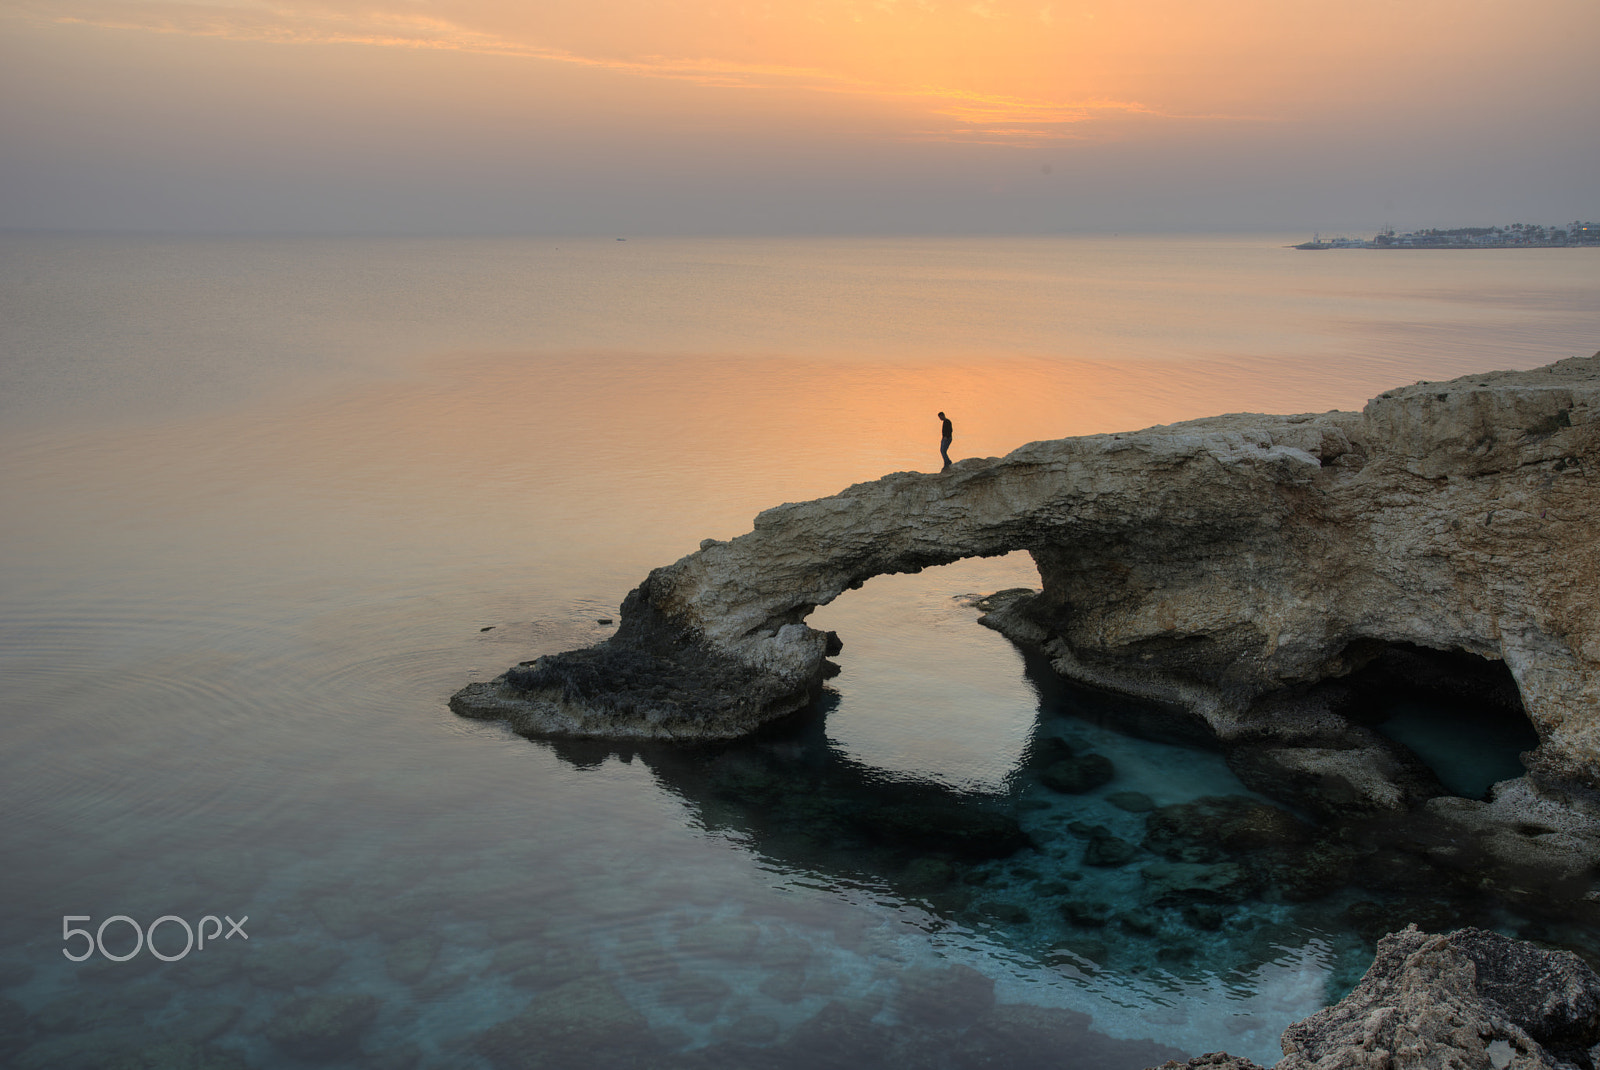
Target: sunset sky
{"type": "Point", "coordinates": [688, 116]}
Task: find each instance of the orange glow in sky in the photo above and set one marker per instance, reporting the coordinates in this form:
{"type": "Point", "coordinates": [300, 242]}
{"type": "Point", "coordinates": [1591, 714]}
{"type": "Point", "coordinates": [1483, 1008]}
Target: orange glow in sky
{"type": "Point", "coordinates": [1251, 80]}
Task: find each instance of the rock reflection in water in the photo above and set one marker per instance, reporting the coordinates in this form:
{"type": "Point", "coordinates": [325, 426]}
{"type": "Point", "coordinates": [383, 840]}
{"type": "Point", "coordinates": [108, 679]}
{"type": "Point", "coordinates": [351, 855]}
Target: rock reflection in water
{"type": "Point", "coordinates": [1104, 884]}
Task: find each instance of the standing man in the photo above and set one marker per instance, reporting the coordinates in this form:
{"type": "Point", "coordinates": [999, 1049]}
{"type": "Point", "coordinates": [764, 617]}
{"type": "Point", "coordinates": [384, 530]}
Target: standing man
{"type": "Point", "coordinates": [946, 434]}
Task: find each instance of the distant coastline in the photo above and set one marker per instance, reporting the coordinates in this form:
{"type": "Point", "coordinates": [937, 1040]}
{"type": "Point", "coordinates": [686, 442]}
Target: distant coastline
{"type": "Point", "coordinates": [1515, 236]}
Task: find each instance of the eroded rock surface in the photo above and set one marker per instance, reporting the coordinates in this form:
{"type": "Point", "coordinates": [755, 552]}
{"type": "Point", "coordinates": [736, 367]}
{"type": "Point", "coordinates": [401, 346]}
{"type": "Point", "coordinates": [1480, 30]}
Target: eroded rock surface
{"type": "Point", "coordinates": [1470, 999]}
{"type": "Point", "coordinates": [1222, 567]}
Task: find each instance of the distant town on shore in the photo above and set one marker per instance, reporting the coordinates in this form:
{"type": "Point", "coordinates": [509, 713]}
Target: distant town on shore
{"type": "Point", "coordinates": [1515, 236]}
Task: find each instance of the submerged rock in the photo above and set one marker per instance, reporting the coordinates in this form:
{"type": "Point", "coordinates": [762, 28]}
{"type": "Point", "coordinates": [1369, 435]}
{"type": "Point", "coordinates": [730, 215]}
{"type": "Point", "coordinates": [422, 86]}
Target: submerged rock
{"type": "Point", "coordinates": [287, 966]}
{"type": "Point", "coordinates": [583, 1023]}
{"type": "Point", "coordinates": [1077, 776]}
{"type": "Point", "coordinates": [121, 1051]}
{"type": "Point", "coordinates": [963, 831]}
{"type": "Point", "coordinates": [1134, 802]}
{"type": "Point", "coordinates": [407, 960]}
{"type": "Point", "coordinates": [1108, 851]}
{"type": "Point", "coordinates": [1178, 883]}
{"type": "Point", "coordinates": [1086, 914]}
{"type": "Point", "coordinates": [322, 1027]}
{"type": "Point", "coordinates": [1217, 827]}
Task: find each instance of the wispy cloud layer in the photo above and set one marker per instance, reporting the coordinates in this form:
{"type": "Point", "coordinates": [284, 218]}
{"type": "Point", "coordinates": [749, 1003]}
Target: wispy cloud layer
{"type": "Point", "coordinates": [963, 114]}
{"type": "Point", "coordinates": [551, 115]}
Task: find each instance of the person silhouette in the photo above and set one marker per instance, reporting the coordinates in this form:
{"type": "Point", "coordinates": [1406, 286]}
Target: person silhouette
{"type": "Point", "coordinates": [947, 433]}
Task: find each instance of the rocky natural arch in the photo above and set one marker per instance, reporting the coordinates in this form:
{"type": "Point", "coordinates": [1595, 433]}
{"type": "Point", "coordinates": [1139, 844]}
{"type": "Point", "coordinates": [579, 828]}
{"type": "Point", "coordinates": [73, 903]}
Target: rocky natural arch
{"type": "Point", "coordinates": [1223, 568]}
{"type": "Point", "coordinates": [1215, 565]}
{"type": "Point", "coordinates": [1229, 571]}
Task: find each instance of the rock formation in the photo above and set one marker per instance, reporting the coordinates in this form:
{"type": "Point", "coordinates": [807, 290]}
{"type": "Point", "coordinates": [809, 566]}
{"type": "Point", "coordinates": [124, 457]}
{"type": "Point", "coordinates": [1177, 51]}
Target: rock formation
{"type": "Point", "coordinates": [1221, 568]}
{"type": "Point", "coordinates": [1471, 999]}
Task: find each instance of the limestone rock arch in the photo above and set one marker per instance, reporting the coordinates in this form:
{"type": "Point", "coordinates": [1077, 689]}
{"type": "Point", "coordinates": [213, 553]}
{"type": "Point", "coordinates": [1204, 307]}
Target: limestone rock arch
{"type": "Point", "coordinates": [1214, 566]}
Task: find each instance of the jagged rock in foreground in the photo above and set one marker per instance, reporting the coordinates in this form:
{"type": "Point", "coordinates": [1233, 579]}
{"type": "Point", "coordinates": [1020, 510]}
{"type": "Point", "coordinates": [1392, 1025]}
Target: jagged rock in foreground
{"type": "Point", "coordinates": [1470, 999]}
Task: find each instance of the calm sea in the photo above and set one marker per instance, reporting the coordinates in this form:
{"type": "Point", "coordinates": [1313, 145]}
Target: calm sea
{"type": "Point", "coordinates": [266, 503]}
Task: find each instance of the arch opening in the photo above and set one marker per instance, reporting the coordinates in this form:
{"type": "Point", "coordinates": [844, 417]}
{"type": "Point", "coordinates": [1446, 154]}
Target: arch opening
{"type": "Point", "coordinates": [915, 689]}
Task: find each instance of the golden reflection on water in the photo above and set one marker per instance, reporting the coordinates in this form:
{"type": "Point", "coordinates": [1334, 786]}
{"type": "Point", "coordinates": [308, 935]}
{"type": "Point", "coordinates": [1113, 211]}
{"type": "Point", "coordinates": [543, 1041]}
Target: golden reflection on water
{"type": "Point", "coordinates": [580, 465]}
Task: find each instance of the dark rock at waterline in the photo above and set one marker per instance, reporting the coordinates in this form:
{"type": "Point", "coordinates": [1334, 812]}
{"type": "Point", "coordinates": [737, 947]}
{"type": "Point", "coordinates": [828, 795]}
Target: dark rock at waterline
{"type": "Point", "coordinates": [322, 1027]}
{"type": "Point", "coordinates": [991, 602]}
{"type": "Point", "coordinates": [1076, 776]}
{"type": "Point", "coordinates": [1470, 999]}
{"type": "Point", "coordinates": [649, 681]}
{"type": "Point", "coordinates": [963, 831]}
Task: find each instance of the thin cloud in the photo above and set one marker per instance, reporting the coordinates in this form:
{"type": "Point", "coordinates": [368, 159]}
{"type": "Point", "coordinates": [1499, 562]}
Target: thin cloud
{"type": "Point", "coordinates": [981, 117]}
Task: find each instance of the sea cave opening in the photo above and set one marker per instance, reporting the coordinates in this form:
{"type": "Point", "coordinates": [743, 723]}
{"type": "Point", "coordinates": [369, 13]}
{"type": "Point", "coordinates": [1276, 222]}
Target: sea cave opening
{"type": "Point", "coordinates": [1459, 712]}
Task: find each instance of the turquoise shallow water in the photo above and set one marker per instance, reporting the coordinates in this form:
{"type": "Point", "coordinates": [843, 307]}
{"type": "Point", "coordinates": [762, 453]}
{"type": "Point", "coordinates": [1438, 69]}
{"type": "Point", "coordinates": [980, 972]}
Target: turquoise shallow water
{"type": "Point", "coordinates": [269, 503]}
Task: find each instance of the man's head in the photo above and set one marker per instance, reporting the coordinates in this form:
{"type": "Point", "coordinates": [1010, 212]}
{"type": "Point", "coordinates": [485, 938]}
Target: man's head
{"type": "Point", "coordinates": [941, 416]}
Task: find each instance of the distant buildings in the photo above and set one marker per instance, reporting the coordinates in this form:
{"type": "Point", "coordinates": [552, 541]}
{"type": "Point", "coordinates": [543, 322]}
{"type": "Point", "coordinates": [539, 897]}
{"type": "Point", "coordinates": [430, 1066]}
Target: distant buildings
{"type": "Point", "coordinates": [1514, 236]}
